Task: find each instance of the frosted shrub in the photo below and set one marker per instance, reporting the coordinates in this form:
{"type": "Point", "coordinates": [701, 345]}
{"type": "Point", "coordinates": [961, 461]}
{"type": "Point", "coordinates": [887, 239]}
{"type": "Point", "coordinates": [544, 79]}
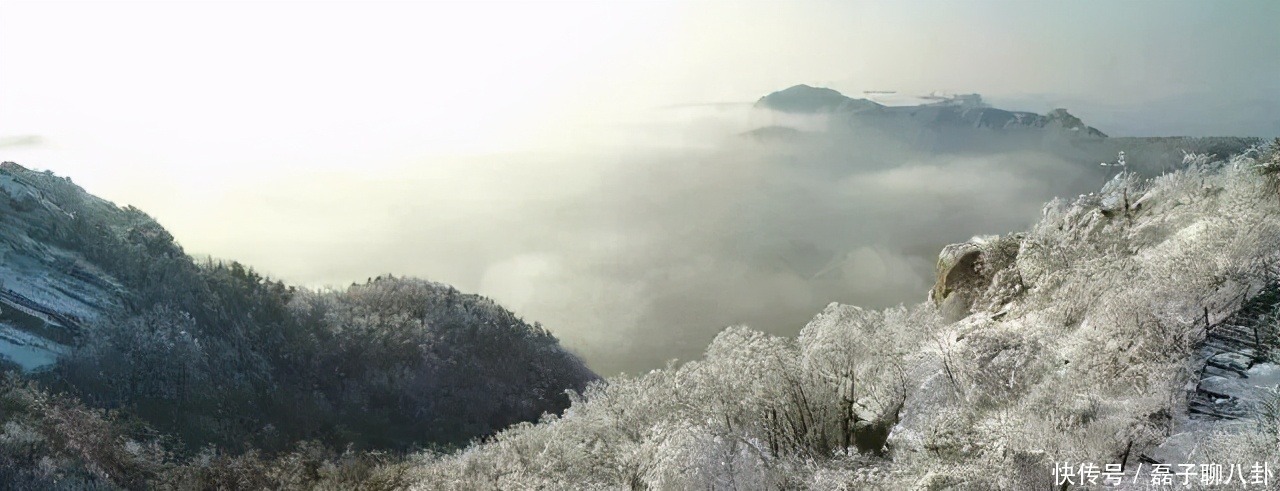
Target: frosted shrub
{"type": "Point", "coordinates": [1076, 352]}
{"type": "Point", "coordinates": [999, 366]}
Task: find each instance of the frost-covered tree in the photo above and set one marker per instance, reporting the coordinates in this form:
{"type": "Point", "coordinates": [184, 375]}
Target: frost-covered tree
{"type": "Point", "coordinates": [1076, 351]}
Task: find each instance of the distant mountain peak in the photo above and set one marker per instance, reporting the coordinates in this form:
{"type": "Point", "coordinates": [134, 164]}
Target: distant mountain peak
{"type": "Point", "coordinates": [932, 111]}
{"type": "Point", "coordinates": [808, 99]}
{"type": "Point", "coordinates": [1066, 120]}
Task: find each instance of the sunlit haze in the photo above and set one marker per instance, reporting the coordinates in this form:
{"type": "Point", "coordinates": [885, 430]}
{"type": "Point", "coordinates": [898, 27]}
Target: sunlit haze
{"type": "Point", "coordinates": [566, 159]}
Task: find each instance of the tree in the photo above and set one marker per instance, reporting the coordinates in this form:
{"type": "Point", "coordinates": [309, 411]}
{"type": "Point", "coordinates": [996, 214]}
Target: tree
{"type": "Point", "coordinates": [1269, 166]}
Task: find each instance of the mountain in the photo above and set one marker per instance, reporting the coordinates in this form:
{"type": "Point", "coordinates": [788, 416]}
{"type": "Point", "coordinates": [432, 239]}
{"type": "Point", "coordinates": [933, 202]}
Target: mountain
{"type": "Point", "coordinates": [1129, 326]}
{"type": "Point", "coordinates": [101, 303]}
{"type": "Point", "coordinates": [821, 124]}
{"type": "Point", "coordinates": [965, 111]}
{"type": "Point", "coordinates": [805, 99]}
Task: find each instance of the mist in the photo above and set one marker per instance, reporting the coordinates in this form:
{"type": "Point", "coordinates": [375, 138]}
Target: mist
{"type": "Point", "coordinates": [637, 253]}
{"type": "Point", "coordinates": [589, 165]}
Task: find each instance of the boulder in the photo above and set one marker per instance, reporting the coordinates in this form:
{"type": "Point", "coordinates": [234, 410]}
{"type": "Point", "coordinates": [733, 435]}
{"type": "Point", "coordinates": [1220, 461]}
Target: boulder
{"type": "Point", "coordinates": [957, 270]}
{"type": "Point", "coordinates": [966, 270]}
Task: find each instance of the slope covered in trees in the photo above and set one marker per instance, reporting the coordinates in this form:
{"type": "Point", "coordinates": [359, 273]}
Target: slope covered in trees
{"type": "Point", "coordinates": [213, 353]}
{"type": "Point", "coordinates": [1073, 345]}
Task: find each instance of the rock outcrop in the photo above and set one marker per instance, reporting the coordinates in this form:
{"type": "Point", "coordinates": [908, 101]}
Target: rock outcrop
{"type": "Point", "coordinates": [967, 271]}
{"type": "Point", "coordinates": [957, 271]}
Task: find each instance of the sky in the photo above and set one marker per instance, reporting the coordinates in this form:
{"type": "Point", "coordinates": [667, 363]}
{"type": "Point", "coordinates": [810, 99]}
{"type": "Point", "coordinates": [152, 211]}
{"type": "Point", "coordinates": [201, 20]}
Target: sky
{"type": "Point", "coordinates": [568, 158]}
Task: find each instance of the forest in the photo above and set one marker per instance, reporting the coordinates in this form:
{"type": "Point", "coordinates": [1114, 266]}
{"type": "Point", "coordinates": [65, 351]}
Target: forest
{"type": "Point", "coordinates": [205, 361]}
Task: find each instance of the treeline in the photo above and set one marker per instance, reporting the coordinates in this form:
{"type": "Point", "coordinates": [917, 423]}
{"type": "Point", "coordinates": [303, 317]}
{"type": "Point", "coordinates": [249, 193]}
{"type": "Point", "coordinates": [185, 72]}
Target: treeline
{"type": "Point", "coordinates": [392, 364]}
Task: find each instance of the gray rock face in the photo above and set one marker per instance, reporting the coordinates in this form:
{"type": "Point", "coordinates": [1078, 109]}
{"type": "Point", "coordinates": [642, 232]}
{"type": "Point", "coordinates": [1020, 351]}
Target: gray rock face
{"type": "Point", "coordinates": [957, 271]}
{"type": "Point", "coordinates": [47, 292]}
{"type": "Point", "coordinates": [966, 271]}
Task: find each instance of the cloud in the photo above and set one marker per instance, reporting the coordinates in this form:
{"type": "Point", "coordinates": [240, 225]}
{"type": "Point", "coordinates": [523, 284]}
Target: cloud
{"type": "Point", "coordinates": [636, 248]}
{"type": "Point", "coordinates": [22, 141]}
{"type": "Point", "coordinates": [640, 255]}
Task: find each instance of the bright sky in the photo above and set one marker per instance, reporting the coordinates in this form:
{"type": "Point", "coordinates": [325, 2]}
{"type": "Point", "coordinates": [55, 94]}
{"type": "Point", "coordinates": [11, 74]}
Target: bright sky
{"type": "Point", "coordinates": [184, 86]}
{"type": "Point", "coordinates": [309, 139]}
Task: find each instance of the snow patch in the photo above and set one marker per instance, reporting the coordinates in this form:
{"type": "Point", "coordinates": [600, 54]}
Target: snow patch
{"type": "Point", "coordinates": [29, 351]}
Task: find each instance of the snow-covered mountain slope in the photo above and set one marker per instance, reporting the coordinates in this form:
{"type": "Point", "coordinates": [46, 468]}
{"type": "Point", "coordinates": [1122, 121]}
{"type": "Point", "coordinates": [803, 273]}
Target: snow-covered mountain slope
{"type": "Point", "coordinates": [1087, 340]}
{"type": "Point", "coordinates": [1139, 324]}
{"type": "Point", "coordinates": [48, 291]}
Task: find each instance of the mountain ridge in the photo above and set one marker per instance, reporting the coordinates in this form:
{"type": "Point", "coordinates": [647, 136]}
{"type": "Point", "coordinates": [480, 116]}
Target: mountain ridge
{"type": "Point", "coordinates": [959, 111]}
{"type": "Point", "coordinates": [101, 302]}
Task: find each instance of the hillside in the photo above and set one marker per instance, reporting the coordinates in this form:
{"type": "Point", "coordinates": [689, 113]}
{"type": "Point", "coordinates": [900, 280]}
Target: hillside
{"type": "Point", "coordinates": [1093, 337]}
{"type": "Point", "coordinates": [48, 290]}
{"type": "Point", "coordinates": [101, 303]}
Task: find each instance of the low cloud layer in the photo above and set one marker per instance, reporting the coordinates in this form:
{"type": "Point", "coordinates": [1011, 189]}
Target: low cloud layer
{"type": "Point", "coordinates": [634, 253]}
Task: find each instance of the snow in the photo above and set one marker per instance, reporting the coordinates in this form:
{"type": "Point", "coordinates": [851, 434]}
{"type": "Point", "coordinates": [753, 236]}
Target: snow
{"type": "Point", "coordinates": [1183, 446]}
{"type": "Point", "coordinates": [29, 351]}
{"type": "Point", "coordinates": [56, 279]}
{"type": "Point", "coordinates": [1259, 384]}
{"type": "Point", "coordinates": [39, 272]}
{"type": "Point", "coordinates": [12, 187]}
{"type": "Point", "coordinates": [889, 98]}
{"type": "Point", "coordinates": [1264, 375]}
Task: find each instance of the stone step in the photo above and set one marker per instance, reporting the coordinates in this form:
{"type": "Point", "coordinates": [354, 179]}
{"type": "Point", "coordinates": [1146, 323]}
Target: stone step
{"type": "Point", "coordinates": [1215, 409]}
{"type": "Point", "coordinates": [1231, 360]}
{"type": "Point", "coordinates": [1223, 345]}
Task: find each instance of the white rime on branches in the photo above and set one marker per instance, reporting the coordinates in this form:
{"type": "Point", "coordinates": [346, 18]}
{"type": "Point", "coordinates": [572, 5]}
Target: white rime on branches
{"type": "Point", "coordinates": [1084, 361]}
